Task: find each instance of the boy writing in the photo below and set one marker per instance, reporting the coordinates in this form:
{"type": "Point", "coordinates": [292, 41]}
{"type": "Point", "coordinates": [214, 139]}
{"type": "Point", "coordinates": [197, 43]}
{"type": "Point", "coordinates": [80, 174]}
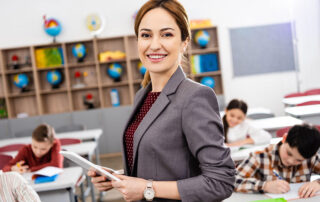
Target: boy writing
{"type": "Point", "coordinates": [42, 152]}
{"type": "Point", "coordinates": [292, 160]}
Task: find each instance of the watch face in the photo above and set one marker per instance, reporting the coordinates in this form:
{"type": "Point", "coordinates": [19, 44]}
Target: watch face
{"type": "Point", "coordinates": [149, 194]}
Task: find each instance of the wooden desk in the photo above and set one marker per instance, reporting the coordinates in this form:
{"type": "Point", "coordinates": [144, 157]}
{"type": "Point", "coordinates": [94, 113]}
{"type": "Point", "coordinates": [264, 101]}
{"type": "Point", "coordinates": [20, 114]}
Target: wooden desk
{"type": "Point", "coordinates": [297, 100]}
{"type": "Point", "coordinates": [62, 189]}
{"type": "Point", "coordinates": [308, 113]}
{"type": "Point", "coordinates": [275, 123]}
{"type": "Point", "coordinates": [239, 155]}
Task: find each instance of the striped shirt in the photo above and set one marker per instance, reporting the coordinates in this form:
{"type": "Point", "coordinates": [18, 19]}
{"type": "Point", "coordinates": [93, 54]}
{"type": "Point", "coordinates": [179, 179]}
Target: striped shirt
{"type": "Point", "coordinates": [258, 168]}
{"type": "Point", "coordinates": [13, 187]}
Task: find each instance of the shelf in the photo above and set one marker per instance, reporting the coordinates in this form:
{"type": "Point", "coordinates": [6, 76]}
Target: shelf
{"type": "Point", "coordinates": [215, 73]}
{"type": "Point", "coordinates": [115, 84]}
{"type": "Point", "coordinates": [204, 51]}
{"type": "Point", "coordinates": [85, 88]}
{"type": "Point", "coordinates": [18, 71]}
{"type": "Point", "coordinates": [24, 94]}
{"type": "Point", "coordinates": [137, 81]}
{"type": "Point", "coordinates": [113, 61]}
{"type": "Point", "coordinates": [53, 91]}
{"type": "Point", "coordinates": [135, 58]}
{"type": "Point", "coordinates": [81, 64]}
{"type": "Point", "coordinates": [42, 99]}
{"type": "Point", "coordinates": [50, 68]}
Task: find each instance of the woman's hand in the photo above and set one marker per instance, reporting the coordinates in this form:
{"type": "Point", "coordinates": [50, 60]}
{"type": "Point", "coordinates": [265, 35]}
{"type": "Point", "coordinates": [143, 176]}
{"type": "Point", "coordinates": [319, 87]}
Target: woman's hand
{"type": "Point", "coordinates": [100, 182]}
{"type": "Point", "coordinates": [309, 189]}
{"type": "Point", "coordinates": [132, 188]}
{"type": "Point", "coordinates": [20, 168]}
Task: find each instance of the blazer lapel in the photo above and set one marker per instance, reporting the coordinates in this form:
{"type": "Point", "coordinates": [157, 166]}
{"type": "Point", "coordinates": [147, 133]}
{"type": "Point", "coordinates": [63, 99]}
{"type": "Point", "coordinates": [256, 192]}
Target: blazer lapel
{"type": "Point", "coordinates": [156, 109]}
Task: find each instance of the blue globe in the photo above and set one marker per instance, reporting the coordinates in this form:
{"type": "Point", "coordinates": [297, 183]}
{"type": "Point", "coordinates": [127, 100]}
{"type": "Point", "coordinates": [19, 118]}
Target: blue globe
{"type": "Point", "coordinates": [114, 71]}
{"type": "Point", "coordinates": [202, 38]}
{"type": "Point", "coordinates": [54, 77]}
{"type": "Point", "coordinates": [208, 81]}
{"type": "Point", "coordinates": [79, 51]}
{"type": "Point", "coordinates": [142, 69]}
{"type": "Point", "coordinates": [21, 80]}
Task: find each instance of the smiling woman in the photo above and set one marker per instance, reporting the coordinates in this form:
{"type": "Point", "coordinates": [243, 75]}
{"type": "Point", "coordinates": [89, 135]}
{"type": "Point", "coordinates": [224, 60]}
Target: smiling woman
{"type": "Point", "coordinates": [173, 142]}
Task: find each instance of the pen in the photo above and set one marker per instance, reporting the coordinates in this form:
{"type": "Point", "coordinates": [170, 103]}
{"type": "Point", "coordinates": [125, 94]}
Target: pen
{"type": "Point", "coordinates": [277, 175]}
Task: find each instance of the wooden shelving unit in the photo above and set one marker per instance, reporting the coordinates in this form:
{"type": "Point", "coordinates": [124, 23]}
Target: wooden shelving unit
{"type": "Point", "coordinates": [41, 98]}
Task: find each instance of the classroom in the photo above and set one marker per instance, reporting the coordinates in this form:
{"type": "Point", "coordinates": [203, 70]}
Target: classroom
{"type": "Point", "coordinates": [165, 100]}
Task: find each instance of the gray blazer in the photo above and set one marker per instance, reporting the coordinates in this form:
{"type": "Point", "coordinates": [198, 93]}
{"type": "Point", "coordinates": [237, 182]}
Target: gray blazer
{"type": "Point", "coordinates": [181, 139]}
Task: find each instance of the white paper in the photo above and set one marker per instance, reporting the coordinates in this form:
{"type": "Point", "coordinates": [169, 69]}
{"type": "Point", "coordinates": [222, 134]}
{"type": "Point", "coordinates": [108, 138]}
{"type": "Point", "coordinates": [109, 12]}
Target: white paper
{"type": "Point", "coordinates": [48, 171]}
{"type": "Point", "coordinates": [292, 194]}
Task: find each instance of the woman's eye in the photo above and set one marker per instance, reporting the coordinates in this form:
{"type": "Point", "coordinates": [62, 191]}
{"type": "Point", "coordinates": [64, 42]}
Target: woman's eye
{"type": "Point", "coordinates": [145, 35]}
{"type": "Point", "coordinates": [167, 35]}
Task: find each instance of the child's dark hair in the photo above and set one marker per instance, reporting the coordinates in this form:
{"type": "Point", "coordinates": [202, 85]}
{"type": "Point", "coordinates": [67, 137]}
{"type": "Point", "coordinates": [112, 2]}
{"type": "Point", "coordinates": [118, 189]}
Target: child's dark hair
{"type": "Point", "coordinates": [233, 104]}
{"type": "Point", "coordinates": [43, 133]}
{"type": "Point", "coordinates": [305, 138]}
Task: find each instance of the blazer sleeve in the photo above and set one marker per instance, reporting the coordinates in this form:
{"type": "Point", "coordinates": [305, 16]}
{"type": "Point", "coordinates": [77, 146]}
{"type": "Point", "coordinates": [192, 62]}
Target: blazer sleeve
{"type": "Point", "coordinates": [203, 131]}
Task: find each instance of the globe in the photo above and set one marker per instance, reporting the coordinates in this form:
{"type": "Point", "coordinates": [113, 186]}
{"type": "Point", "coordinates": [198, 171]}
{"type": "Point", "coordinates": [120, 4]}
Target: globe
{"type": "Point", "coordinates": [52, 26]}
{"type": "Point", "coordinates": [208, 81]}
{"type": "Point", "coordinates": [21, 80]}
{"type": "Point", "coordinates": [54, 77]}
{"type": "Point", "coordinates": [114, 71]}
{"type": "Point", "coordinates": [79, 51]}
{"type": "Point", "coordinates": [142, 69]}
{"type": "Point", "coordinates": [202, 38]}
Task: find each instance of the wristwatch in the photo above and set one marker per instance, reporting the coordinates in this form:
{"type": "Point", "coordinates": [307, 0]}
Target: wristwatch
{"type": "Point", "coordinates": [149, 192]}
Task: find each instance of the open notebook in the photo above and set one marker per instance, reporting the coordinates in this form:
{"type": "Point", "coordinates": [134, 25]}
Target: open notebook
{"type": "Point", "coordinates": [293, 193]}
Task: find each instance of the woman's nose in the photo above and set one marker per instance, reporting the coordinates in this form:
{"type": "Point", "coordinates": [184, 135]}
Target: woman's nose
{"type": "Point", "coordinates": [155, 44]}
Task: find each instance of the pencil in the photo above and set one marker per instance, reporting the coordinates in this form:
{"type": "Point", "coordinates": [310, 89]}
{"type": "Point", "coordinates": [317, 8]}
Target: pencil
{"type": "Point", "coordinates": [18, 165]}
{"type": "Point", "coordinates": [277, 175]}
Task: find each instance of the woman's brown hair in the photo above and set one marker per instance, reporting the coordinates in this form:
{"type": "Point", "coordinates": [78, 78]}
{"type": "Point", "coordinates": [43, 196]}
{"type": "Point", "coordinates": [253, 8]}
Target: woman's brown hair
{"type": "Point", "coordinates": [44, 133]}
{"type": "Point", "coordinates": [176, 10]}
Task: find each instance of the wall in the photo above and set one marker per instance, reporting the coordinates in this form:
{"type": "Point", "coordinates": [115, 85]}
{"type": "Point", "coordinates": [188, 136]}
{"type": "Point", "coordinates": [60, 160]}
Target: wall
{"type": "Point", "coordinates": [21, 21]}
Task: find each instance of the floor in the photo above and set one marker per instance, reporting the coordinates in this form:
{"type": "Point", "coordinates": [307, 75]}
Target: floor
{"type": "Point", "coordinates": [114, 162]}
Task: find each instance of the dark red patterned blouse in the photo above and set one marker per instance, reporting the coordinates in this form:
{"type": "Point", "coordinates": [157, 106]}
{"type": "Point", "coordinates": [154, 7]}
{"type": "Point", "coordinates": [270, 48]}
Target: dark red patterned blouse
{"type": "Point", "coordinates": [148, 102]}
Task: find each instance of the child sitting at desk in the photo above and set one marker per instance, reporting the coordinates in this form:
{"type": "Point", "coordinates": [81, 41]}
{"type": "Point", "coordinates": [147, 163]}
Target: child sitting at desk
{"type": "Point", "coordinates": [238, 131]}
{"type": "Point", "coordinates": [292, 160]}
{"type": "Point", "coordinates": [42, 152]}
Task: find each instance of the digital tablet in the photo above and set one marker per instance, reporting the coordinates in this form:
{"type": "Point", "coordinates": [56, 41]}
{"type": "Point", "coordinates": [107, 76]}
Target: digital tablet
{"type": "Point", "coordinates": [84, 163]}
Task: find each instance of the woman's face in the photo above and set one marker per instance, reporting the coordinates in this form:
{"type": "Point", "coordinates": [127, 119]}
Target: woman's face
{"type": "Point", "coordinates": [159, 42]}
{"type": "Point", "coordinates": [234, 117]}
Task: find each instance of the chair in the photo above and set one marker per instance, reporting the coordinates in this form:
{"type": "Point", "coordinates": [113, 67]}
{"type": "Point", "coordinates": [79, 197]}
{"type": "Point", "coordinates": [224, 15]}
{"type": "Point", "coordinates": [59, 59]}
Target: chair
{"type": "Point", "coordinates": [11, 147]}
{"type": "Point", "coordinates": [4, 160]}
{"type": "Point", "coordinates": [68, 141]}
{"type": "Point", "coordinates": [70, 128]}
{"type": "Point", "coordinates": [309, 103]}
{"type": "Point", "coordinates": [282, 131]}
{"type": "Point", "coordinates": [315, 91]}
{"type": "Point", "coordinates": [294, 95]}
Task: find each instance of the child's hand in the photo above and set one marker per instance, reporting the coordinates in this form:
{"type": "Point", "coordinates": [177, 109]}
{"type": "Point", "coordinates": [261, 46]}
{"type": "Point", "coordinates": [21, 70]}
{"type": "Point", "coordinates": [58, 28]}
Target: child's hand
{"type": "Point", "coordinates": [309, 189]}
{"type": "Point", "coordinates": [20, 168]}
{"type": "Point", "coordinates": [276, 187]}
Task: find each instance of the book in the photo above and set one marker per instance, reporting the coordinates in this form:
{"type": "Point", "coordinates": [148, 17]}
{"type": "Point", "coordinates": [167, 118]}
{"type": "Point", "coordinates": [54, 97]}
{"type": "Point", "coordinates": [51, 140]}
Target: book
{"type": "Point", "coordinates": [47, 174]}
